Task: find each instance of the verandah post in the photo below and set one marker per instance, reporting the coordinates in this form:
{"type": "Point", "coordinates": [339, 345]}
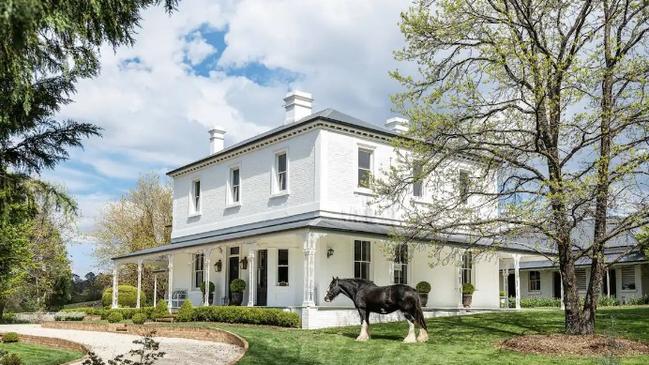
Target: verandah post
{"type": "Point", "coordinates": [115, 286]}
{"type": "Point", "coordinates": [139, 283]}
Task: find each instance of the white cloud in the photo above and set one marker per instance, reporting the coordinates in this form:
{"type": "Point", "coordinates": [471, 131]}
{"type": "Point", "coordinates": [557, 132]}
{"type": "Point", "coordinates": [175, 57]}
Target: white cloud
{"type": "Point", "coordinates": [197, 49]}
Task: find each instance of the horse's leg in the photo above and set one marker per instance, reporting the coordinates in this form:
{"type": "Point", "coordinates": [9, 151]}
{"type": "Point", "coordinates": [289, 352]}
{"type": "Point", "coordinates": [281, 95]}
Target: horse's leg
{"type": "Point", "coordinates": [411, 328]}
{"type": "Point", "coordinates": [421, 321]}
{"type": "Point", "coordinates": [364, 335]}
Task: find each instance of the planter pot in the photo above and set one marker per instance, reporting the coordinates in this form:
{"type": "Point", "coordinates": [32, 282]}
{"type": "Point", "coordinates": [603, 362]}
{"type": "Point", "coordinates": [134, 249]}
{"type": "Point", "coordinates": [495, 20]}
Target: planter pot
{"type": "Point", "coordinates": [423, 298]}
{"type": "Point", "coordinates": [466, 300]}
{"type": "Point", "coordinates": [236, 298]}
{"type": "Point", "coordinates": [504, 303]}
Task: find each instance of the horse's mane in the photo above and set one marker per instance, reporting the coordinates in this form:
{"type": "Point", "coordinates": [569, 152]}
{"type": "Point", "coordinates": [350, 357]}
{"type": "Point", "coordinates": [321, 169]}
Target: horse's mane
{"type": "Point", "coordinates": [359, 282]}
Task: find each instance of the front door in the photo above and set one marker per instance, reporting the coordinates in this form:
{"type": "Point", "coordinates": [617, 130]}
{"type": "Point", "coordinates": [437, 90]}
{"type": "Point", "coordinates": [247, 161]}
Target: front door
{"type": "Point", "coordinates": [262, 277]}
{"type": "Point", "coordinates": [511, 285]}
{"type": "Point", "coordinates": [556, 284]}
{"type": "Point", "coordinates": [233, 266]}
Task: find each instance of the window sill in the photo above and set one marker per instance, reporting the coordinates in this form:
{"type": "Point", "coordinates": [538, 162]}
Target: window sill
{"type": "Point", "coordinates": [629, 290]}
{"type": "Point", "coordinates": [364, 191]}
{"type": "Point", "coordinates": [420, 200]}
{"type": "Point", "coordinates": [280, 194]}
{"type": "Point", "coordinates": [233, 205]}
{"type": "Point", "coordinates": [194, 215]}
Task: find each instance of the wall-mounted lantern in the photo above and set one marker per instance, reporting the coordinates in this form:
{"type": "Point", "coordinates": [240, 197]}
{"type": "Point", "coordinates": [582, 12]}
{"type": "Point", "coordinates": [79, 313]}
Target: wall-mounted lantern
{"type": "Point", "coordinates": [330, 252]}
{"type": "Point", "coordinates": [218, 266]}
{"type": "Point", "coordinates": [244, 263]}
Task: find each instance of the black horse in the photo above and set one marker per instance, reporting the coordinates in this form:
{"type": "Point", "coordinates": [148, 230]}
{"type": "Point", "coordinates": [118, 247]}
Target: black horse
{"type": "Point", "coordinates": [368, 297]}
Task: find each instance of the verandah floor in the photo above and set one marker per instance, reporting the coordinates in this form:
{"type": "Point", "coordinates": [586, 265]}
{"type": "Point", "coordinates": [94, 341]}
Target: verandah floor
{"type": "Point", "coordinates": [453, 340]}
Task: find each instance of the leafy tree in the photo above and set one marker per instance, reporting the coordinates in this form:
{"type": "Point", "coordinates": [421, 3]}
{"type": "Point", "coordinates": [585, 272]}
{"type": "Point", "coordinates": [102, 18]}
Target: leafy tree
{"type": "Point", "coordinates": [545, 97]}
{"type": "Point", "coordinates": [140, 219]}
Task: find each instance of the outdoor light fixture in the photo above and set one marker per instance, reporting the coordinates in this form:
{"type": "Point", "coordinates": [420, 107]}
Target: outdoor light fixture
{"type": "Point", "coordinates": [244, 263]}
{"type": "Point", "coordinates": [218, 266]}
{"type": "Point", "coordinates": [330, 252]}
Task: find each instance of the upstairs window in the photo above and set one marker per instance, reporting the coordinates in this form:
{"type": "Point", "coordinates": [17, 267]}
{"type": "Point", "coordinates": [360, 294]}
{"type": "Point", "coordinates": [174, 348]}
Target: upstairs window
{"type": "Point", "coordinates": [364, 168]}
{"type": "Point", "coordinates": [401, 264]}
{"type": "Point", "coordinates": [418, 183]}
{"type": "Point", "coordinates": [198, 269]}
{"type": "Point", "coordinates": [196, 196]}
{"type": "Point", "coordinates": [467, 268]}
{"type": "Point", "coordinates": [281, 172]}
{"type": "Point", "coordinates": [464, 186]}
{"type": "Point", "coordinates": [282, 267]}
{"type": "Point", "coordinates": [628, 278]}
{"type": "Point", "coordinates": [235, 186]}
{"type": "Point", "coordinates": [534, 281]}
{"type": "Point", "coordinates": [362, 260]}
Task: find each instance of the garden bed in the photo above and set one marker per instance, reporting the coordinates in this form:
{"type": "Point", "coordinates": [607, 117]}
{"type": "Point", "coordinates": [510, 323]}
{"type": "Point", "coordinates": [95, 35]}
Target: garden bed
{"type": "Point", "coordinates": [591, 345]}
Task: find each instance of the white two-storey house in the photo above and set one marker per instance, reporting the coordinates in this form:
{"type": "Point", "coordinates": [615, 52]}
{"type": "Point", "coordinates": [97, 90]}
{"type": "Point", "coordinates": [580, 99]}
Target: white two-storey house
{"type": "Point", "coordinates": [288, 209]}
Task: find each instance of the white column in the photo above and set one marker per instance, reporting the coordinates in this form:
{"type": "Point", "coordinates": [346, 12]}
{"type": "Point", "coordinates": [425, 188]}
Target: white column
{"type": "Point", "coordinates": [170, 286]}
{"type": "Point", "coordinates": [517, 266]}
{"type": "Point", "coordinates": [139, 284]}
{"type": "Point", "coordinates": [252, 287]}
{"type": "Point", "coordinates": [155, 289]}
{"type": "Point", "coordinates": [608, 284]}
{"type": "Point", "coordinates": [115, 285]}
{"type": "Point", "coordinates": [309, 270]}
{"type": "Point", "coordinates": [207, 267]}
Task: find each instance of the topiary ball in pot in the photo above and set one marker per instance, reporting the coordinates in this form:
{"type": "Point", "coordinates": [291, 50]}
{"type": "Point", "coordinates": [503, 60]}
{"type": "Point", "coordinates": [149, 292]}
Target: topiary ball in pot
{"type": "Point", "coordinates": [423, 288]}
{"type": "Point", "coordinates": [467, 294]}
{"type": "Point", "coordinates": [237, 286]}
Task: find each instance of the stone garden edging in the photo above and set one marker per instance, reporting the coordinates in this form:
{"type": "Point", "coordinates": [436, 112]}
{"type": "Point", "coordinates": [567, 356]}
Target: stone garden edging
{"type": "Point", "coordinates": [56, 343]}
{"type": "Point", "coordinates": [201, 334]}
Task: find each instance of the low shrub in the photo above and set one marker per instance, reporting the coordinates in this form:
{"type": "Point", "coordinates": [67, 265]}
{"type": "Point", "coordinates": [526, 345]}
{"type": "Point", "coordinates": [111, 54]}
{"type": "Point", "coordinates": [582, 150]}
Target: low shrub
{"type": "Point", "coordinates": [10, 337]}
{"type": "Point", "coordinates": [128, 313]}
{"type": "Point", "coordinates": [185, 312]}
{"type": "Point", "coordinates": [8, 318]}
{"type": "Point", "coordinates": [126, 296]}
{"type": "Point", "coordinates": [251, 315]}
{"type": "Point", "coordinates": [69, 316]}
{"type": "Point", "coordinates": [605, 301]}
{"type": "Point", "coordinates": [160, 310]}
{"type": "Point", "coordinates": [115, 317]}
{"type": "Point", "coordinates": [423, 287]}
{"type": "Point", "coordinates": [11, 359]}
{"type": "Point", "coordinates": [139, 318]}
{"type": "Point", "coordinates": [90, 311]}
{"type": "Point", "coordinates": [538, 302]}
{"type": "Point", "coordinates": [638, 301]}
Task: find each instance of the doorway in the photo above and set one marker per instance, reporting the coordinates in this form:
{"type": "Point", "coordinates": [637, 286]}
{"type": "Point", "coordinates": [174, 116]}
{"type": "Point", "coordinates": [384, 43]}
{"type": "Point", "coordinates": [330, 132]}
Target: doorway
{"type": "Point", "coordinates": [611, 277]}
{"type": "Point", "coordinates": [262, 278]}
{"type": "Point", "coordinates": [556, 284]}
{"type": "Point", "coordinates": [233, 266]}
{"type": "Point", "coordinates": [511, 285]}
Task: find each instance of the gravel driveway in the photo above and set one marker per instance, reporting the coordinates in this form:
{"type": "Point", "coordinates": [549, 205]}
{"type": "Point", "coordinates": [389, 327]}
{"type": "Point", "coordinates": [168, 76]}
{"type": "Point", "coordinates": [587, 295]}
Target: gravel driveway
{"type": "Point", "coordinates": [108, 345]}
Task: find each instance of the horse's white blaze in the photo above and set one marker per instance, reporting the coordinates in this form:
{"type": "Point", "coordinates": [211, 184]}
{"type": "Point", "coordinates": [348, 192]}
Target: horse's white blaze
{"type": "Point", "coordinates": [364, 336]}
{"type": "Point", "coordinates": [423, 335]}
{"type": "Point", "coordinates": [411, 333]}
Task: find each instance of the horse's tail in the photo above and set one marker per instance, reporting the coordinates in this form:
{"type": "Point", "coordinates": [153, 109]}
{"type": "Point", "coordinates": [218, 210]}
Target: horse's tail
{"type": "Point", "coordinates": [419, 314]}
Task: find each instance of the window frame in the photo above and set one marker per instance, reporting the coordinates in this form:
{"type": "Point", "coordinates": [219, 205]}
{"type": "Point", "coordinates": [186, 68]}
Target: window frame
{"type": "Point", "coordinates": [279, 265]}
{"type": "Point", "coordinates": [464, 180]}
{"type": "Point", "coordinates": [628, 269]}
{"type": "Point", "coordinates": [361, 262]}
{"type": "Point", "coordinates": [400, 264]}
{"type": "Point", "coordinates": [195, 284]}
{"type": "Point", "coordinates": [370, 150]}
{"type": "Point", "coordinates": [467, 271]}
{"type": "Point", "coordinates": [534, 284]}
{"type": "Point", "coordinates": [195, 200]}
{"type": "Point", "coordinates": [230, 202]}
{"type": "Point", "coordinates": [276, 189]}
{"type": "Point", "coordinates": [417, 166]}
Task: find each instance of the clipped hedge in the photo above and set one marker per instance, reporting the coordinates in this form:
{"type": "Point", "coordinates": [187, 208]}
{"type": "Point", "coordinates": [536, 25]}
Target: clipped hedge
{"type": "Point", "coordinates": [69, 316]}
{"type": "Point", "coordinates": [161, 310]}
{"type": "Point", "coordinates": [538, 302]}
{"type": "Point", "coordinates": [128, 313]}
{"type": "Point", "coordinates": [139, 318]}
{"type": "Point", "coordinates": [251, 315]}
{"type": "Point", "coordinates": [10, 337]}
{"type": "Point", "coordinates": [126, 296]}
{"type": "Point", "coordinates": [186, 312]}
{"type": "Point", "coordinates": [115, 317]}
{"type": "Point", "coordinates": [91, 311]}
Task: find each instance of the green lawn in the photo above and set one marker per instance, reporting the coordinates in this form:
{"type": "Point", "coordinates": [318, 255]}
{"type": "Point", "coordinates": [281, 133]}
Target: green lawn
{"type": "Point", "coordinates": [453, 340]}
{"type": "Point", "coordinates": [40, 355]}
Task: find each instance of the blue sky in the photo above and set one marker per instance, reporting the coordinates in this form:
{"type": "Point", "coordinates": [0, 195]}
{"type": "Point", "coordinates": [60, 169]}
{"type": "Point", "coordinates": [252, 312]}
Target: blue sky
{"type": "Point", "coordinates": [225, 63]}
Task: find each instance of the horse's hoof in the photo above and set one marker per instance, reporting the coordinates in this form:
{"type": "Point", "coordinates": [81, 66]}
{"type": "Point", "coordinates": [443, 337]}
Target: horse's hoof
{"type": "Point", "coordinates": [362, 339]}
{"type": "Point", "coordinates": [423, 336]}
{"type": "Point", "coordinates": [409, 340]}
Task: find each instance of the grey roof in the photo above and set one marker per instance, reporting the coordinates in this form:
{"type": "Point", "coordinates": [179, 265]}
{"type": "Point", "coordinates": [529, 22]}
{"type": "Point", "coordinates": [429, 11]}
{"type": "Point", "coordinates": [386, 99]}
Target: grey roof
{"type": "Point", "coordinates": [329, 114]}
{"type": "Point", "coordinates": [305, 220]}
{"type": "Point", "coordinates": [611, 255]}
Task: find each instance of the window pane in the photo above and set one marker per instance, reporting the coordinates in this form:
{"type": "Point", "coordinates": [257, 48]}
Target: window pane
{"type": "Point", "coordinates": [282, 181]}
{"type": "Point", "coordinates": [364, 177]}
{"type": "Point", "coordinates": [417, 186]}
{"type": "Point", "coordinates": [365, 271]}
{"type": "Point", "coordinates": [234, 250]}
{"type": "Point", "coordinates": [357, 270]}
{"type": "Point", "coordinates": [235, 194]}
{"type": "Point", "coordinates": [364, 158]}
{"type": "Point", "coordinates": [628, 278]}
{"type": "Point", "coordinates": [282, 275]}
{"type": "Point", "coordinates": [282, 257]}
{"type": "Point", "coordinates": [281, 162]}
{"type": "Point", "coordinates": [366, 251]}
{"type": "Point", "coordinates": [235, 177]}
{"type": "Point", "coordinates": [357, 250]}
{"type": "Point", "coordinates": [464, 186]}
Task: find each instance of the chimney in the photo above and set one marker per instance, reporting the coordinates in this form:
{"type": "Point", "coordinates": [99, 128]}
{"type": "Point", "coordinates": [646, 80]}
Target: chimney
{"type": "Point", "coordinates": [298, 105]}
{"type": "Point", "coordinates": [397, 125]}
{"type": "Point", "coordinates": [217, 134]}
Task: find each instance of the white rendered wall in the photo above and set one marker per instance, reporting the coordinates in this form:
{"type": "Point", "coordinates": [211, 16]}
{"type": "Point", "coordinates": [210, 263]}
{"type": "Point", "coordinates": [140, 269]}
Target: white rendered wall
{"type": "Point", "coordinates": [257, 200]}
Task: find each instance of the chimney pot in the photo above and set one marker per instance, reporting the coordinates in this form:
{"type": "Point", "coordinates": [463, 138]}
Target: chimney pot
{"type": "Point", "coordinates": [298, 105]}
{"type": "Point", "coordinates": [217, 136]}
{"type": "Point", "coordinates": [397, 125]}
